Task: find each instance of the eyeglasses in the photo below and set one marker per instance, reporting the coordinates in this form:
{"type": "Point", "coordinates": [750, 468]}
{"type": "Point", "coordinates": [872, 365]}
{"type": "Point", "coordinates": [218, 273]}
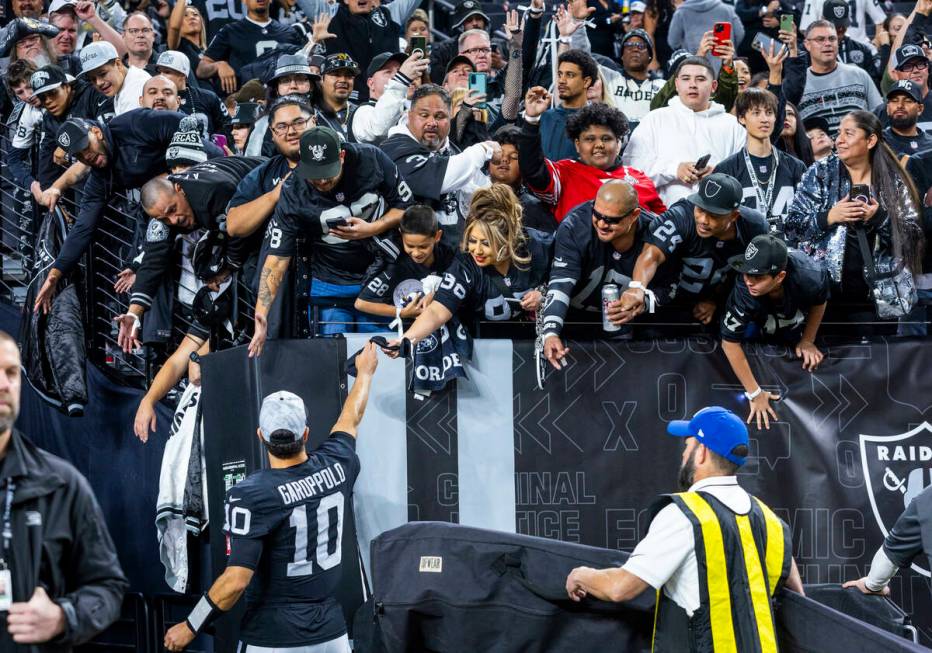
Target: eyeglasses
{"type": "Point", "coordinates": [635, 45]}
{"type": "Point", "coordinates": [824, 39]}
{"type": "Point", "coordinates": [282, 128]}
{"type": "Point", "coordinates": [609, 220]}
{"type": "Point", "coordinates": [139, 31]}
{"type": "Point", "coordinates": [475, 51]}
{"type": "Point", "coordinates": [920, 64]}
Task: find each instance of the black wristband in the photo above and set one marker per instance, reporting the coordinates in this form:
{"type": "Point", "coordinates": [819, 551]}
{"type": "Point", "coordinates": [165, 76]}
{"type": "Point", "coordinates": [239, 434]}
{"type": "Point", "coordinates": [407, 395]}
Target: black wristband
{"type": "Point", "coordinates": [204, 613]}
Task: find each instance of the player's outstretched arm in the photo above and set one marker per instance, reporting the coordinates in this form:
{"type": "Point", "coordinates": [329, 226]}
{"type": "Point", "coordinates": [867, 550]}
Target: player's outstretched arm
{"type": "Point", "coordinates": [223, 595]}
{"type": "Point", "coordinates": [355, 404]}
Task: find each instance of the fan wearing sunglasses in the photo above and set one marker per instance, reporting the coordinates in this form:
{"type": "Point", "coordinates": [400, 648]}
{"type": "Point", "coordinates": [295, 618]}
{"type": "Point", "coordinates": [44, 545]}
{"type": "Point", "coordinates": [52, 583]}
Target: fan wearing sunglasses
{"type": "Point", "coordinates": [598, 243]}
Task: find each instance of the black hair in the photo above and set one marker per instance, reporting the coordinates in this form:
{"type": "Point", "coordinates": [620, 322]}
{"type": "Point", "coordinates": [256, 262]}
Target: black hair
{"type": "Point", "coordinates": [752, 98]}
{"type": "Point", "coordinates": [723, 464]}
{"type": "Point", "coordinates": [889, 176]}
{"type": "Point", "coordinates": [419, 220]}
{"type": "Point", "coordinates": [798, 144]}
{"type": "Point", "coordinates": [18, 72]}
{"type": "Point", "coordinates": [288, 448]}
{"type": "Point", "coordinates": [584, 61]}
{"type": "Point", "coordinates": [597, 114]}
{"type": "Point", "coordinates": [695, 61]}
{"type": "Point", "coordinates": [757, 78]}
{"type": "Point", "coordinates": [289, 101]}
{"type": "Point", "coordinates": [507, 135]}
{"type": "Point", "coordinates": [427, 90]}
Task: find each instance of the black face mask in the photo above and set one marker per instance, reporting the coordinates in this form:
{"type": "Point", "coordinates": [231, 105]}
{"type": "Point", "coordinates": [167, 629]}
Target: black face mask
{"type": "Point", "coordinates": [687, 472]}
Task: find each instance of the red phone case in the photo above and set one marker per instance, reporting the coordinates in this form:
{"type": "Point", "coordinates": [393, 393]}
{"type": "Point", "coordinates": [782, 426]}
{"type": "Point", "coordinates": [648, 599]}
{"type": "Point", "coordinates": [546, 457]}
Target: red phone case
{"type": "Point", "coordinates": [721, 32]}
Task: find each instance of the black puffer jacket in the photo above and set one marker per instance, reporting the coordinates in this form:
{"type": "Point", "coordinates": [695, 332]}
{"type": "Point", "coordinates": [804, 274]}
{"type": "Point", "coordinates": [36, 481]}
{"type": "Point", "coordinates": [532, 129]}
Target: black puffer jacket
{"type": "Point", "coordinates": [60, 541]}
{"type": "Point", "coordinates": [54, 357]}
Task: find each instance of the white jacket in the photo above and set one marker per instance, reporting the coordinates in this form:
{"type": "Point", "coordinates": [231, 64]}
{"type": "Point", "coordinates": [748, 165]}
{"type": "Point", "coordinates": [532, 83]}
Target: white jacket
{"type": "Point", "coordinates": [371, 122]}
{"type": "Point", "coordinates": [669, 136]}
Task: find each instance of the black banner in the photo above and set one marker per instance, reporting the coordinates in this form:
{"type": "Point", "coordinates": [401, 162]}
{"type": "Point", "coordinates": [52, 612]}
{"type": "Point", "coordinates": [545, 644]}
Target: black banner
{"type": "Point", "coordinates": [583, 459]}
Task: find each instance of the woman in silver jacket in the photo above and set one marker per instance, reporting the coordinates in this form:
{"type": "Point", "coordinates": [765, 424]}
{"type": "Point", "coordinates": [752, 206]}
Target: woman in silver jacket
{"type": "Point", "coordinates": [825, 215]}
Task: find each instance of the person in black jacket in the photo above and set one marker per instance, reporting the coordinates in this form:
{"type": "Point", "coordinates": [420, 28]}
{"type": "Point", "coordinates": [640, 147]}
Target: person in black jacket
{"type": "Point", "coordinates": [122, 155]}
{"type": "Point", "coordinates": [74, 589]}
{"type": "Point", "coordinates": [190, 204]}
{"type": "Point", "coordinates": [363, 29]}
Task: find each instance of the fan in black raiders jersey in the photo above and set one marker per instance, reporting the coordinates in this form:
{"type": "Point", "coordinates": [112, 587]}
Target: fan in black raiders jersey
{"type": "Point", "coordinates": [191, 205]}
{"type": "Point", "coordinates": [241, 42]}
{"type": "Point", "coordinates": [767, 176]}
{"type": "Point", "coordinates": [285, 527]}
{"type": "Point", "coordinates": [498, 272]}
{"type": "Point", "coordinates": [342, 197]}
{"type": "Point", "coordinates": [780, 296]}
{"type": "Point", "coordinates": [697, 236]}
{"type": "Point", "coordinates": [333, 107]}
{"type": "Point", "coordinates": [597, 243]}
{"type": "Point", "coordinates": [439, 174]}
{"type": "Point", "coordinates": [398, 285]}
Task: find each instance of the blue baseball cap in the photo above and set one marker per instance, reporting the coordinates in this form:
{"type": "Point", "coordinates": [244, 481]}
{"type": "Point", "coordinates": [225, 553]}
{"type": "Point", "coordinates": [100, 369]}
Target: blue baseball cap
{"type": "Point", "coordinates": [716, 428]}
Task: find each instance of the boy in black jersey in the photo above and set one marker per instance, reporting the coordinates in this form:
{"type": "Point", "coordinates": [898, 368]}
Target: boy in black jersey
{"type": "Point", "coordinates": [398, 284]}
{"type": "Point", "coordinates": [781, 295]}
{"type": "Point", "coordinates": [285, 529]}
{"type": "Point", "coordinates": [767, 176]}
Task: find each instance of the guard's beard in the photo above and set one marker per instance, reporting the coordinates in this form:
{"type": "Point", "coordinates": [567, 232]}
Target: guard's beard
{"type": "Point", "coordinates": [687, 472]}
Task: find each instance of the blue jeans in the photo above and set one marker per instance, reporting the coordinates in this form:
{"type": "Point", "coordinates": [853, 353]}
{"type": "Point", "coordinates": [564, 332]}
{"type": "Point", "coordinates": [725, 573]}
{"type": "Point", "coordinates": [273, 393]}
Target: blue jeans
{"type": "Point", "coordinates": [341, 319]}
{"type": "Point", "coordinates": [918, 316]}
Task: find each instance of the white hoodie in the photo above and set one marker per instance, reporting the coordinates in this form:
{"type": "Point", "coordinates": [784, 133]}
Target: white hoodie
{"type": "Point", "coordinates": [669, 136]}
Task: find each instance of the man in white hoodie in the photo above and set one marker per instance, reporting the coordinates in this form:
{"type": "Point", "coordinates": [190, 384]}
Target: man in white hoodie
{"type": "Point", "coordinates": [669, 142]}
{"type": "Point", "coordinates": [438, 174]}
{"type": "Point", "coordinates": [390, 77]}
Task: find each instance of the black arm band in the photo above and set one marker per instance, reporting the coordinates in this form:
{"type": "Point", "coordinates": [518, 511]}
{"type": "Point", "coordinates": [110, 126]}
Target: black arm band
{"type": "Point", "coordinates": [204, 613]}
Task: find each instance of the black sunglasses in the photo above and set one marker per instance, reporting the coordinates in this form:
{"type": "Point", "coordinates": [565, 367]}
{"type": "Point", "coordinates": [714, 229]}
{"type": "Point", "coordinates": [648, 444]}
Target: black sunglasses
{"type": "Point", "coordinates": [609, 220]}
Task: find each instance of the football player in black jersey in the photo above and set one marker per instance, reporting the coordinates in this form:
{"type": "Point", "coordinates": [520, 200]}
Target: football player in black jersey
{"type": "Point", "coordinates": [342, 196]}
{"type": "Point", "coordinates": [780, 296]}
{"type": "Point", "coordinates": [285, 530]}
{"type": "Point", "coordinates": [768, 176]}
{"type": "Point", "coordinates": [398, 283]}
{"type": "Point", "coordinates": [698, 235]}
{"type": "Point", "coordinates": [597, 243]}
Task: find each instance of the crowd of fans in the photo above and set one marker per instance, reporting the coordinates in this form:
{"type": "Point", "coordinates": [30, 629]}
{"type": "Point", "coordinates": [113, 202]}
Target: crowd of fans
{"type": "Point", "coordinates": [752, 168]}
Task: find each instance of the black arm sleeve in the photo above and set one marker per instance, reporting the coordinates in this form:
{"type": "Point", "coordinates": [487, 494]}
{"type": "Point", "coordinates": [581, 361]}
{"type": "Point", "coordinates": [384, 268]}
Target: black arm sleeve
{"type": "Point", "coordinates": [93, 571]}
{"type": "Point", "coordinates": [794, 78]}
{"type": "Point", "coordinates": [529, 44]}
{"type": "Point", "coordinates": [79, 238]}
{"type": "Point", "coordinates": [531, 158]}
{"type": "Point", "coordinates": [904, 542]}
{"type": "Point", "coordinates": [156, 261]}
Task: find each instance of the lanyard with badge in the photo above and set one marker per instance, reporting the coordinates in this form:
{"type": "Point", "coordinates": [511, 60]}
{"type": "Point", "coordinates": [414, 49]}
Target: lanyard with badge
{"type": "Point", "coordinates": [6, 577]}
{"type": "Point", "coordinates": [763, 199]}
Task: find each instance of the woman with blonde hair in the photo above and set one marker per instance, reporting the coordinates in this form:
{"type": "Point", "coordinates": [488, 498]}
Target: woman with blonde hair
{"type": "Point", "coordinates": [187, 32]}
{"type": "Point", "coordinates": [498, 271]}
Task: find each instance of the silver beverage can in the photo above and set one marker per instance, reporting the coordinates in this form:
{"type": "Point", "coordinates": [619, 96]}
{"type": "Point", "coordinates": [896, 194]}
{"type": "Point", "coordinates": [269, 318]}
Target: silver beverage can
{"type": "Point", "coordinates": [610, 293]}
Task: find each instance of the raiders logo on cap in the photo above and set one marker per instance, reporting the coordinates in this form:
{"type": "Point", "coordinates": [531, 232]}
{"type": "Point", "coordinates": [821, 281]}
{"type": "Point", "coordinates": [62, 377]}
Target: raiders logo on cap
{"type": "Point", "coordinates": [39, 79]}
{"type": "Point", "coordinates": [64, 140]}
{"type": "Point", "coordinates": [839, 11]}
{"type": "Point", "coordinates": [711, 189]}
{"type": "Point", "coordinates": [750, 252]}
{"type": "Point", "coordinates": [318, 151]}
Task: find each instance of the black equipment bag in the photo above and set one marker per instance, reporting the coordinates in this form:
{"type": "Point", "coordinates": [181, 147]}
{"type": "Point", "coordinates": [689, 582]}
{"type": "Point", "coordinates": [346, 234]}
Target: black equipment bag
{"type": "Point", "coordinates": [443, 587]}
{"type": "Point", "coordinates": [878, 611]}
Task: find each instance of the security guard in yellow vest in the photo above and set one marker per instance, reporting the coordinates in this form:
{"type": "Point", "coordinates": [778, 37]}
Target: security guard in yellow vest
{"type": "Point", "coordinates": [715, 554]}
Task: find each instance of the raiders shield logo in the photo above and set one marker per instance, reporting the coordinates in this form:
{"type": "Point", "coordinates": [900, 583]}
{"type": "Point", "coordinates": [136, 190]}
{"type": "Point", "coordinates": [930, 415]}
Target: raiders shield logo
{"type": "Point", "coordinates": [378, 18]}
{"type": "Point", "coordinates": [896, 469]}
{"type": "Point", "coordinates": [839, 11]}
